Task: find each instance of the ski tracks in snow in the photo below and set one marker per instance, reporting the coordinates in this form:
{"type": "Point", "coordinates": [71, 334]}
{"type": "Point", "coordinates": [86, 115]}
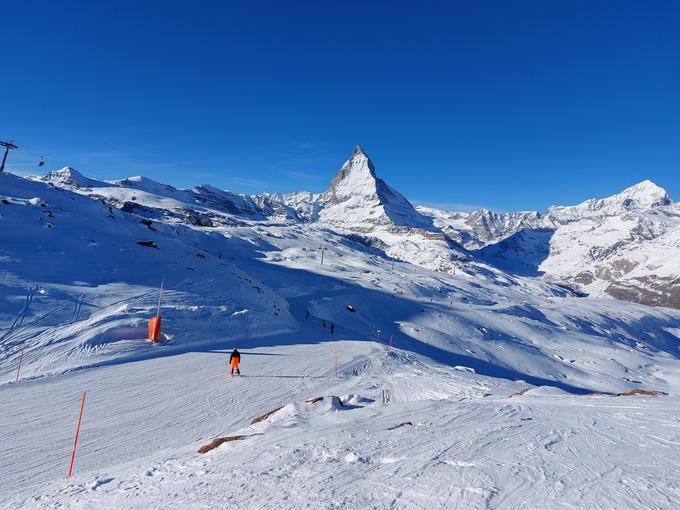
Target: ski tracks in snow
{"type": "Point", "coordinates": [464, 447]}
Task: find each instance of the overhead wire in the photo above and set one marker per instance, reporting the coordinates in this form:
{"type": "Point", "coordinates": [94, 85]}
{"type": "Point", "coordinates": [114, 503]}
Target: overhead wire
{"type": "Point", "coordinates": [43, 157]}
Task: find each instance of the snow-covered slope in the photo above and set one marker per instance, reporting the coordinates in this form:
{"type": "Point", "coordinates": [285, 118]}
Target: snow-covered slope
{"type": "Point", "coordinates": [633, 256]}
{"type": "Point", "coordinates": [136, 193]}
{"type": "Point", "coordinates": [410, 433]}
{"type": "Point", "coordinates": [626, 245]}
{"type": "Point", "coordinates": [77, 280]}
{"type": "Point", "coordinates": [488, 375]}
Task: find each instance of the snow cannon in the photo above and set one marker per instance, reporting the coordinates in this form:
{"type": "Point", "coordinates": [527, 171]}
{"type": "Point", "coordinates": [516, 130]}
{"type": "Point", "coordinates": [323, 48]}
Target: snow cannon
{"type": "Point", "coordinates": [155, 322]}
{"type": "Point", "coordinates": [155, 329]}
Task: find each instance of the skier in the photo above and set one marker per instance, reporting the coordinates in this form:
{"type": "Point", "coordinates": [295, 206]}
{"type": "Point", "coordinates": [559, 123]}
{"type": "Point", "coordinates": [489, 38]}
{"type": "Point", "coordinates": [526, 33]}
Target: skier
{"type": "Point", "coordinates": [234, 360]}
{"type": "Point", "coordinates": [332, 328]}
{"type": "Point", "coordinates": [323, 323]}
{"type": "Point", "coordinates": [307, 316]}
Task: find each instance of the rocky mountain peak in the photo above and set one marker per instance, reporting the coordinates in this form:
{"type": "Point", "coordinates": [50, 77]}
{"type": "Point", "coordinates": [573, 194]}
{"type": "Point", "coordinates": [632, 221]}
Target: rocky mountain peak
{"type": "Point", "coordinates": [357, 176]}
{"type": "Point", "coordinates": [358, 151]}
{"type": "Point", "coordinates": [358, 198]}
{"type": "Point", "coordinates": [640, 197]}
{"type": "Point", "coordinates": [64, 173]}
{"type": "Point", "coordinates": [644, 194]}
{"type": "Point", "coordinates": [68, 177]}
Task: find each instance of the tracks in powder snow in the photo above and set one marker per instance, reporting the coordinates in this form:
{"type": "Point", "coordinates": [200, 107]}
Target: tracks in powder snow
{"type": "Point", "coordinates": [19, 319]}
{"type": "Point", "coordinates": [469, 446]}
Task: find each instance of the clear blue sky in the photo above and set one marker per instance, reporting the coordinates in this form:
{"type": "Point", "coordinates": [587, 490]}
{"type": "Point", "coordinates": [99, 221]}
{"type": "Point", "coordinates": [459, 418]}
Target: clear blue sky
{"type": "Point", "coordinates": [508, 105]}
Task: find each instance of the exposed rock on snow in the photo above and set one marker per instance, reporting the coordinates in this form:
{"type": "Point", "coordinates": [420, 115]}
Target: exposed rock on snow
{"type": "Point", "coordinates": [215, 443]}
{"type": "Point", "coordinates": [266, 415]}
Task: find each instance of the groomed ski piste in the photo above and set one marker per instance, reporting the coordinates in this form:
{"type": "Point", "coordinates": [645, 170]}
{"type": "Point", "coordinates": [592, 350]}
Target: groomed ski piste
{"type": "Point", "coordinates": [498, 391]}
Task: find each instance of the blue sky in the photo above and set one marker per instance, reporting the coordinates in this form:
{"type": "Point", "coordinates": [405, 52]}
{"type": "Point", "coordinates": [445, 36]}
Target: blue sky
{"type": "Point", "coordinates": [507, 105]}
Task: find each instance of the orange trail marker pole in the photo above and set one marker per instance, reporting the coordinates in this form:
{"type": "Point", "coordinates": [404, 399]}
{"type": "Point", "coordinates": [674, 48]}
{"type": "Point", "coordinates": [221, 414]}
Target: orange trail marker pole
{"type": "Point", "coordinates": [21, 359]}
{"type": "Point", "coordinates": [75, 442]}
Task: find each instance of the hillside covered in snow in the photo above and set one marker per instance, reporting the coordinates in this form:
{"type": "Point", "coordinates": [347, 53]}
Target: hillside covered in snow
{"type": "Point", "coordinates": [626, 246]}
{"type": "Point", "coordinates": [465, 369]}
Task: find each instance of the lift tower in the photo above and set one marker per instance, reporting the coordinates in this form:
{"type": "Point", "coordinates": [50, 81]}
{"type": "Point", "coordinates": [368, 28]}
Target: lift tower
{"type": "Point", "coordinates": [7, 146]}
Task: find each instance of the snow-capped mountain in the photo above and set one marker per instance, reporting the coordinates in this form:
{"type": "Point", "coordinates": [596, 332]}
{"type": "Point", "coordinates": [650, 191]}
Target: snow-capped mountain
{"type": "Point", "coordinates": [643, 196]}
{"type": "Point", "coordinates": [68, 177]}
{"type": "Point", "coordinates": [625, 245]}
{"type": "Point", "coordinates": [477, 229]}
{"type": "Point", "coordinates": [357, 204]}
{"type": "Point", "coordinates": [357, 200]}
{"type": "Point", "coordinates": [202, 204]}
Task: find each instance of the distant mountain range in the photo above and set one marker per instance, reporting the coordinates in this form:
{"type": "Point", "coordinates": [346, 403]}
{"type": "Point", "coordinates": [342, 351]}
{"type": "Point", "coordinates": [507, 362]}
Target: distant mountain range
{"type": "Point", "coordinates": [626, 246]}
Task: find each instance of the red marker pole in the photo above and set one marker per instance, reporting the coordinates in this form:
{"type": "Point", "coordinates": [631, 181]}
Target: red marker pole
{"type": "Point", "coordinates": [75, 443]}
{"type": "Point", "coordinates": [21, 359]}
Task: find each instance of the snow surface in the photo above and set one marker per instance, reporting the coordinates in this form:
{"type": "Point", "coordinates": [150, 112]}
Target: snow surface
{"type": "Point", "coordinates": [504, 384]}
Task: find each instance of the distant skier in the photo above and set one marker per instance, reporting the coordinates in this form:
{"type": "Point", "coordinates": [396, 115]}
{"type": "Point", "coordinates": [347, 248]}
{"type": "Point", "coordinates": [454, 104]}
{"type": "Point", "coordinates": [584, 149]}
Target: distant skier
{"type": "Point", "coordinates": [332, 328]}
{"type": "Point", "coordinates": [323, 323]}
{"type": "Point", "coordinates": [234, 360]}
{"type": "Point", "coordinates": [307, 316]}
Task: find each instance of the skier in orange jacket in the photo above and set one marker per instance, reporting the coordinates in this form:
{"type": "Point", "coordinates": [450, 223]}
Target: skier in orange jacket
{"type": "Point", "coordinates": [234, 360]}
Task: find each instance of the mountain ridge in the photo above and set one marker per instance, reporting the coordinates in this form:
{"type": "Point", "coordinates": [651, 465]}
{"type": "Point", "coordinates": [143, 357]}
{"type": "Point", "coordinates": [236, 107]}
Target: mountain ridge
{"type": "Point", "coordinates": [616, 245]}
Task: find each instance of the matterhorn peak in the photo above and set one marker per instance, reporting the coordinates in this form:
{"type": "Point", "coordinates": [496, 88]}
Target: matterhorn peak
{"type": "Point", "coordinates": [358, 198]}
{"type": "Point", "coordinates": [357, 176]}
